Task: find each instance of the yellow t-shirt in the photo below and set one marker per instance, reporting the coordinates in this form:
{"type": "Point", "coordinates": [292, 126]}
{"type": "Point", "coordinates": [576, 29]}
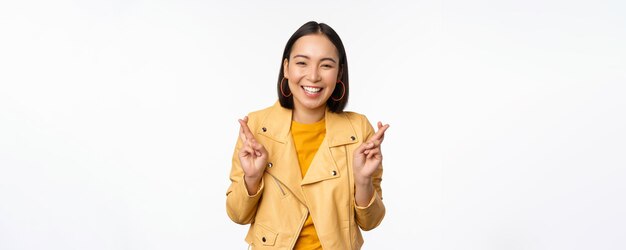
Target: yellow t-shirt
{"type": "Point", "coordinates": [307, 139]}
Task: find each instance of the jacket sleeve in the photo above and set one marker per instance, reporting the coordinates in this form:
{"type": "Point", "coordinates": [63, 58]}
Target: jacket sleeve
{"type": "Point", "coordinates": [240, 206]}
{"type": "Point", "coordinates": [370, 216]}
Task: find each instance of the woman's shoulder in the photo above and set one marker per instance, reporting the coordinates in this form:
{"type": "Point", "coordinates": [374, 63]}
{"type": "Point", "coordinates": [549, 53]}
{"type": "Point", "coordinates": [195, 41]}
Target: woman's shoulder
{"type": "Point", "coordinates": [355, 117]}
{"type": "Point", "coordinates": [258, 116]}
{"type": "Point", "coordinates": [353, 114]}
{"type": "Point", "coordinates": [260, 113]}
{"type": "Point", "coordinates": [359, 122]}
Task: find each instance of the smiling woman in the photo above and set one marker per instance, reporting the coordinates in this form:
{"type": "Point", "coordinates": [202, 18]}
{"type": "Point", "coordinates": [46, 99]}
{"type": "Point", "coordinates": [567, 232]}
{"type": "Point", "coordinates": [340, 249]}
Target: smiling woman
{"type": "Point", "coordinates": [305, 174]}
{"type": "Point", "coordinates": [323, 43]}
{"type": "Point", "coordinates": [312, 73]}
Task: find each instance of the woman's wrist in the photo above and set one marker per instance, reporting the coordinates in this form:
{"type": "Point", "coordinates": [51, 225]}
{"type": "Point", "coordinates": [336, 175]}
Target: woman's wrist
{"type": "Point", "coordinates": [363, 181]}
{"type": "Point", "coordinates": [364, 189]}
{"type": "Point", "coordinates": [252, 184]}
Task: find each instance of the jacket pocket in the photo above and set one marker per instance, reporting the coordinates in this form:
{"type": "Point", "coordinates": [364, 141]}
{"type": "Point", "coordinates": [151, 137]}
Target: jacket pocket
{"type": "Point", "coordinates": [279, 186]}
{"type": "Point", "coordinates": [264, 235]}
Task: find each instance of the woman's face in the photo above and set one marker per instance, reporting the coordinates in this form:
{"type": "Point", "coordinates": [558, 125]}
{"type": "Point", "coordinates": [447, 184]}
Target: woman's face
{"type": "Point", "coordinates": [312, 71]}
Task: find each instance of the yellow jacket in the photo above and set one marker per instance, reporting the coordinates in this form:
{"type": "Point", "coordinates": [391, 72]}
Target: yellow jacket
{"type": "Point", "coordinates": [279, 209]}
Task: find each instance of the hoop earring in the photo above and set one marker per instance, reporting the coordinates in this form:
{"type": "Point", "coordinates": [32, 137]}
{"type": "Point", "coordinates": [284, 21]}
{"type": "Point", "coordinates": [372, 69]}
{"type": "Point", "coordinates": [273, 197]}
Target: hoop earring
{"type": "Point", "coordinates": [281, 88]}
{"type": "Point", "coordinates": [342, 94]}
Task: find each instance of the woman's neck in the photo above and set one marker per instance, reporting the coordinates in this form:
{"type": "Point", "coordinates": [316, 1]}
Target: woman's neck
{"type": "Point", "coordinates": [308, 116]}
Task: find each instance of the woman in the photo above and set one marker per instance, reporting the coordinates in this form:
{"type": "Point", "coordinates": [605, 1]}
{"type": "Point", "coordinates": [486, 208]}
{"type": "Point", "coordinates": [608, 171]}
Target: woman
{"type": "Point", "coordinates": [306, 174]}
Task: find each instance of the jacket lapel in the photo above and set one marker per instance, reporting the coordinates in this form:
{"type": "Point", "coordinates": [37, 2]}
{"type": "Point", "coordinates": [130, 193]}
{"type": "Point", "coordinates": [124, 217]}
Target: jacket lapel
{"type": "Point", "coordinates": [285, 167]}
{"type": "Point", "coordinates": [331, 155]}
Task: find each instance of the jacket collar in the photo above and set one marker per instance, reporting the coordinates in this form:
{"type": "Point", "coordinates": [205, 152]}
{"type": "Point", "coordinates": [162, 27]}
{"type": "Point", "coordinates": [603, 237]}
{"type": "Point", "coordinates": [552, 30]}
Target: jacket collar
{"type": "Point", "coordinates": [277, 125]}
{"type": "Point", "coordinates": [339, 131]}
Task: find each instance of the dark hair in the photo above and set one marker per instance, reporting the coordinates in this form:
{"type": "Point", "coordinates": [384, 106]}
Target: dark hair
{"type": "Point", "coordinates": [308, 28]}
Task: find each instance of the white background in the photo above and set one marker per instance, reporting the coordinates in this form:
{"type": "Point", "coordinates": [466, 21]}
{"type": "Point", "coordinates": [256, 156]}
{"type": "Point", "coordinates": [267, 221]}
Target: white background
{"type": "Point", "coordinates": [508, 125]}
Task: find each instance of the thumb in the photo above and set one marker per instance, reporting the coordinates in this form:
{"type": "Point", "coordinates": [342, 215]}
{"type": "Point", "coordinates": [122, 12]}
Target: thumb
{"type": "Point", "coordinates": [258, 147]}
{"type": "Point", "coordinates": [361, 149]}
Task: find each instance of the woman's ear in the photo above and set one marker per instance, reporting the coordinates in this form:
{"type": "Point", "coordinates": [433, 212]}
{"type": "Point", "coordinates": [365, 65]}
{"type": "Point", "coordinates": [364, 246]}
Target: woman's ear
{"type": "Point", "coordinates": [286, 68]}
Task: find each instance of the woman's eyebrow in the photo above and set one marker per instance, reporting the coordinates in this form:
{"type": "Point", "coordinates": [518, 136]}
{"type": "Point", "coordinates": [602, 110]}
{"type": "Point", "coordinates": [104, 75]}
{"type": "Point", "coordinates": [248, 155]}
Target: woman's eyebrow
{"type": "Point", "coordinates": [329, 59]}
{"type": "Point", "coordinates": [303, 56]}
{"type": "Point", "coordinates": [323, 59]}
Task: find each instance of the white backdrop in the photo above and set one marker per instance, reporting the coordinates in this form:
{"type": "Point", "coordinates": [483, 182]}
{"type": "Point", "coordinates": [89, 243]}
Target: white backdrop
{"type": "Point", "coordinates": [118, 118]}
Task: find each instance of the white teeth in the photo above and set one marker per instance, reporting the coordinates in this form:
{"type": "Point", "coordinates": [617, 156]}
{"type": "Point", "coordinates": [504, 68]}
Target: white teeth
{"type": "Point", "coordinates": [312, 89]}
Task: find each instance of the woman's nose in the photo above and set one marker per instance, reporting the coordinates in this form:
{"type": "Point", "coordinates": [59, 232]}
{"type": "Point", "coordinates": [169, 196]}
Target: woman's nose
{"type": "Point", "coordinates": [314, 75]}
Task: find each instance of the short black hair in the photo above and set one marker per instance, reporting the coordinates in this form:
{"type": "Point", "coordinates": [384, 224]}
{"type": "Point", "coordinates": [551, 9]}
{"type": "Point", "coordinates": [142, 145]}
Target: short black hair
{"type": "Point", "coordinates": [308, 28]}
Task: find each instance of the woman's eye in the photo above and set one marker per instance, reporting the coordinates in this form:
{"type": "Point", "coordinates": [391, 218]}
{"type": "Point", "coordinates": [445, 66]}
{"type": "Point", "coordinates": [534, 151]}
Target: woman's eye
{"type": "Point", "coordinates": [327, 66]}
{"type": "Point", "coordinates": [300, 63]}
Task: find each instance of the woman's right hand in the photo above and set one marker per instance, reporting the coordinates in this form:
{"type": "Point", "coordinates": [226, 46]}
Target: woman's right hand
{"type": "Point", "coordinates": [252, 156]}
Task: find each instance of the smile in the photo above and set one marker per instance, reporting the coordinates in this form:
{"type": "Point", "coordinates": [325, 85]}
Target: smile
{"type": "Point", "coordinates": [312, 90]}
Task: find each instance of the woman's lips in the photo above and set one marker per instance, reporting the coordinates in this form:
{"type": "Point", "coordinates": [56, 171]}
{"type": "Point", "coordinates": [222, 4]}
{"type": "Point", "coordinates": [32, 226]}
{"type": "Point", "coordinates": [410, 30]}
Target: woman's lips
{"type": "Point", "coordinates": [312, 91]}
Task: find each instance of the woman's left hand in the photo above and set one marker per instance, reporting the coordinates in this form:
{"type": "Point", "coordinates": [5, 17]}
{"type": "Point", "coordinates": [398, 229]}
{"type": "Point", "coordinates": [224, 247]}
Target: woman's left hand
{"type": "Point", "coordinates": [367, 157]}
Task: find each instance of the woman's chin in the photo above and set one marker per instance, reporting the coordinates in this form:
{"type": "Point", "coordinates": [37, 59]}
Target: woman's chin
{"type": "Point", "coordinates": [312, 104]}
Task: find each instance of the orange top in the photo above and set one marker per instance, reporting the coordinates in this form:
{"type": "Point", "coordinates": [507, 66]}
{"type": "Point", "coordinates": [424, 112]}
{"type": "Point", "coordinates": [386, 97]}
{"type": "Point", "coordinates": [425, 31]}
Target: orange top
{"type": "Point", "coordinates": [307, 139]}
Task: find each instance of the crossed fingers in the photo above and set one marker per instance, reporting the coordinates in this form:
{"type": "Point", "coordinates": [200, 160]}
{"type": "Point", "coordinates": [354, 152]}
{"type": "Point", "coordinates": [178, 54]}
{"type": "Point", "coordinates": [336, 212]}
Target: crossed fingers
{"type": "Point", "coordinates": [372, 146]}
{"type": "Point", "coordinates": [244, 130]}
{"type": "Point", "coordinates": [247, 138]}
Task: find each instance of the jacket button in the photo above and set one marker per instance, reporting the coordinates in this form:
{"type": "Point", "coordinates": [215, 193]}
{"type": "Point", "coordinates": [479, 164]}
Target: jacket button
{"type": "Point", "coordinates": [269, 165]}
{"type": "Point", "coordinates": [264, 129]}
{"type": "Point", "coordinates": [263, 239]}
{"type": "Point", "coordinates": [353, 138]}
{"type": "Point", "coordinates": [333, 172]}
